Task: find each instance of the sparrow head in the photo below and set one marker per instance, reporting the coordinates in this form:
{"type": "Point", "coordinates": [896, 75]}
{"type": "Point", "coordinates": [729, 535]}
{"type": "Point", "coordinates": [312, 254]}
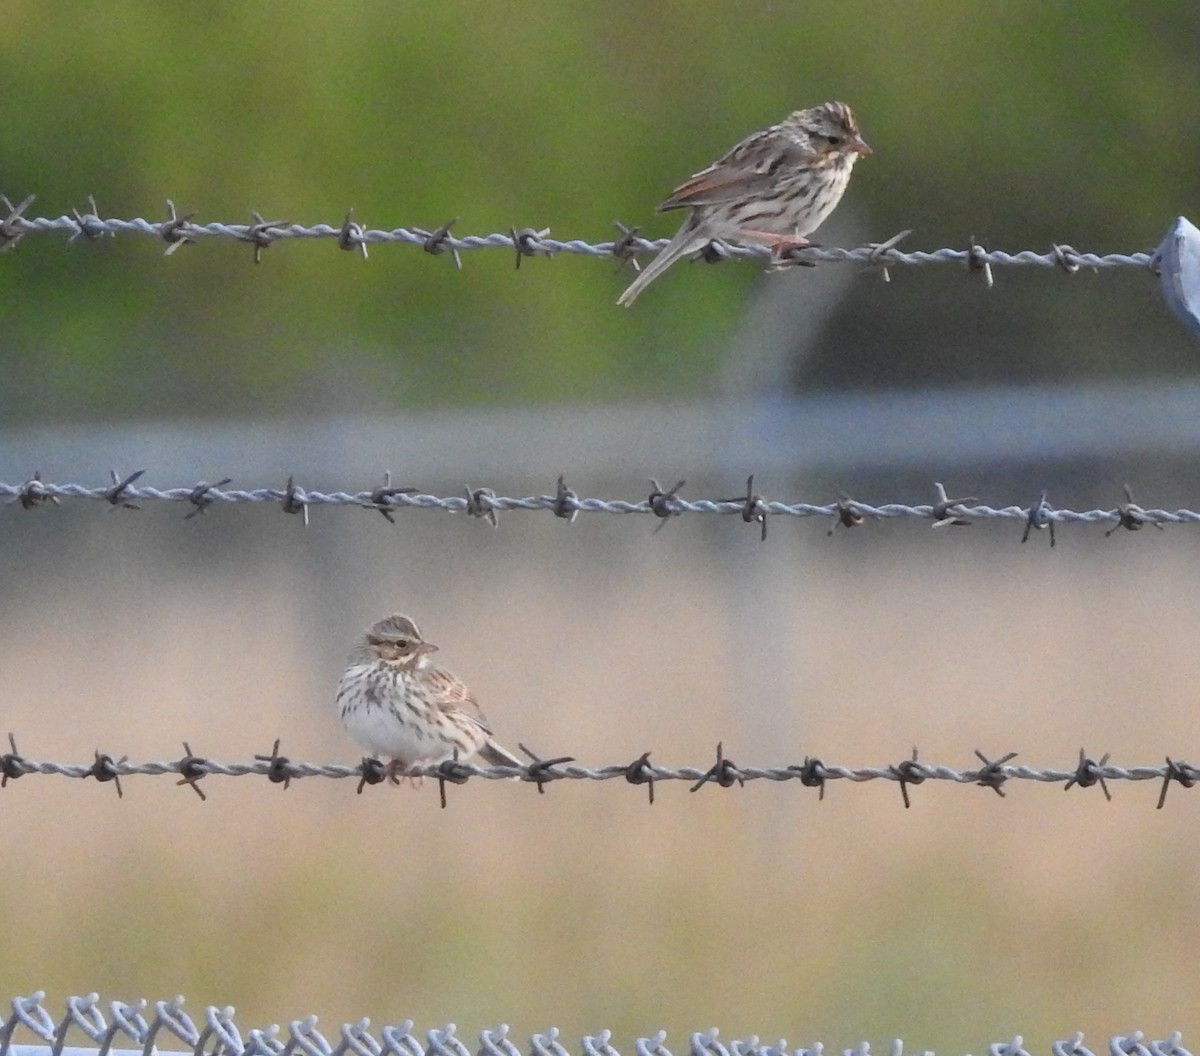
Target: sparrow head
{"type": "Point", "coordinates": [397, 641]}
{"type": "Point", "coordinates": [830, 130]}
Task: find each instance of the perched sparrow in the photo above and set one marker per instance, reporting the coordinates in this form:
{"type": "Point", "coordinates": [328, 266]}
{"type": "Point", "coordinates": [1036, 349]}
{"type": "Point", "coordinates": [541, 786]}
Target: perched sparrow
{"type": "Point", "coordinates": [776, 186]}
{"type": "Point", "coordinates": [396, 703]}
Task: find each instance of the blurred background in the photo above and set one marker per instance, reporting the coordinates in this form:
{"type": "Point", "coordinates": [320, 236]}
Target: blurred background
{"type": "Point", "coordinates": [965, 919]}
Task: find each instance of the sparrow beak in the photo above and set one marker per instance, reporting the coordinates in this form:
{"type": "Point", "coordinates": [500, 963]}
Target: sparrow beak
{"type": "Point", "coordinates": [425, 648]}
{"type": "Point", "coordinates": [858, 145]}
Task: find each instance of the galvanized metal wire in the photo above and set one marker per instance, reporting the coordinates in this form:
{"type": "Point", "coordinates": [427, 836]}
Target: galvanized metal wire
{"type": "Point", "coordinates": [811, 772]}
{"type": "Point", "coordinates": [662, 503]}
{"type": "Point", "coordinates": [217, 1033]}
{"type": "Point", "coordinates": [177, 230]}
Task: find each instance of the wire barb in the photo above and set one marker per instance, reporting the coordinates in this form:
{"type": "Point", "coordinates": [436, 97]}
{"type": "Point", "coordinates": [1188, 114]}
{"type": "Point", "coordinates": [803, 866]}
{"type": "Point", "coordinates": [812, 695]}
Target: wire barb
{"type": "Point", "coordinates": [174, 230]}
{"type": "Point", "coordinates": [724, 772]}
{"type": "Point", "coordinates": [117, 495]}
{"type": "Point", "coordinates": [847, 512]}
{"type": "Point", "coordinates": [1088, 773]}
{"type": "Point", "coordinates": [527, 241]}
{"type": "Point", "coordinates": [453, 771]}
{"type": "Point", "coordinates": [1041, 515]}
{"type": "Point", "coordinates": [1130, 515]}
{"type": "Point", "coordinates": [381, 498]}
{"type": "Point", "coordinates": [293, 500]}
{"type": "Point", "coordinates": [716, 252]}
{"type": "Point", "coordinates": [754, 507]}
{"type": "Point", "coordinates": [33, 493]}
{"type": "Point", "coordinates": [662, 503]}
{"type": "Point", "coordinates": [625, 248]}
{"type": "Point", "coordinates": [814, 775]}
{"type": "Point", "coordinates": [261, 235]}
{"type": "Point", "coordinates": [192, 770]}
{"type": "Point", "coordinates": [640, 772]}
{"type": "Point", "coordinates": [374, 771]}
{"type": "Point", "coordinates": [797, 255]}
{"type": "Point", "coordinates": [89, 225]}
{"type": "Point", "coordinates": [881, 253]}
{"type": "Point", "coordinates": [439, 240]}
{"type": "Point", "coordinates": [481, 503]}
{"type": "Point", "coordinates": [104, 769]}
{"type": "Point", "coordinates": [351, 236]}
{"type": "Point", "coordinates": [14, 226]}
{"type": "Point", "coordinates": [1184, 773]}
{"type": "Point", "coordinates": [541, 771]}
{"type": "Point", "coordinates": [979, 263]}
{"type": "Point", "coordinates": [13, 766]}
{"type": "Point", "coordinates": [201, 498]}
{"type": "Point", "coordinates": [909, 772]}
{"type": "Point", "coordinates": [1066, 258]}
{"type": "Point", "coordinates": [566, 502]}
{"type": "Point", "coordinates": [947, 512]}
{"type": "Point", "coordinates": [992, 775]}
{"type": "Point", "coordinates": [279, 767]}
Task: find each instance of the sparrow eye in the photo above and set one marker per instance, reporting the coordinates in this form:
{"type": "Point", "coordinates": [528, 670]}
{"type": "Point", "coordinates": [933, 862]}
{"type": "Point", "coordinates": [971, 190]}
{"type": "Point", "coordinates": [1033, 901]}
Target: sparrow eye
{"type": "Point", "coordinates": [834, 141]}
{"type": "Point", "coordinates": [401, 643]}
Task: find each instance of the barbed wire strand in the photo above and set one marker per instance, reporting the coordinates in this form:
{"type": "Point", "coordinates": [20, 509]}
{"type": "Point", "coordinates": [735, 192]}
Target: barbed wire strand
{"type": "Point", "coordinates": [219, 1034]}
{"type": "Point", "coordinates": [812, 772]}
{"type": "Point", "coordinates": [176, 231]}
{"type": "Point", "coordinates": [485, 504]}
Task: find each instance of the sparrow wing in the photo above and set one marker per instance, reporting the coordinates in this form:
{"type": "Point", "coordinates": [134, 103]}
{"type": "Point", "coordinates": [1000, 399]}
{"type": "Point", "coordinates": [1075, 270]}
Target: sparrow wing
{"type": "Point", "coordinates": [455, 700]}
{"type": "Point", "coordinates": [451, 695]}
{"type": "Point", "coordinates": [748, 169]}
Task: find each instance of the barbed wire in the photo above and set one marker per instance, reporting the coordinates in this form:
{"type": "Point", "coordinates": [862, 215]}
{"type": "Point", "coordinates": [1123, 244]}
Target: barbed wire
{"type": "Point", "coordinates": [124, 493]}
{"type": "Point", "coordinates": [179, 230]}
{"type": "Point", "coordinates": [218, 1034]}
{"type": "Point", "coordinates": [812, 772]}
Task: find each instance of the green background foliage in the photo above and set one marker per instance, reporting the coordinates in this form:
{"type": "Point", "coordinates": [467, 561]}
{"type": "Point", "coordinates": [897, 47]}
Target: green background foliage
{"type": "Point", "coordinates": [1021, 123]}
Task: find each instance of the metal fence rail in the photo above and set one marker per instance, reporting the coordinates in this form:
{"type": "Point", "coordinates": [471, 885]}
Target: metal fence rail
{"type": "Point", "coordinates": [811, 772]}
{"type": "Point", "coordinates": [217, 1033]}
{"type": "Point", "coordinates": [179, 230]}
{"type": "Point", "coordinates": [661, 503]}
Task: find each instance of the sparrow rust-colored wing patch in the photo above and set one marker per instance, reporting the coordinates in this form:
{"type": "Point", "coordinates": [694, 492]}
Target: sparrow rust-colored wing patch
{"type": "Point", "coordinates": [451, 694]}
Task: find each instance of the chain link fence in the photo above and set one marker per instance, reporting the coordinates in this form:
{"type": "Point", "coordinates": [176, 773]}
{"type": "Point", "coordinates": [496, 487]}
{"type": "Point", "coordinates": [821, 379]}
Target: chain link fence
{"type": "Point", "coordinates": [218, 1035]}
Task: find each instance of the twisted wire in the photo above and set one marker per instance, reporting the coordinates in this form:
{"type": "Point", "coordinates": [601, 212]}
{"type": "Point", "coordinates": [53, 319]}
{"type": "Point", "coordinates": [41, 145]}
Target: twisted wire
{"type": "Point", "coordinates": [485, 503]}
{"type": "Point", "coordinates": [812, 772]}
{"type": "Point", "coordinates": [218, 1033]}
{"type": "Point", "coordinates": [178, 230]}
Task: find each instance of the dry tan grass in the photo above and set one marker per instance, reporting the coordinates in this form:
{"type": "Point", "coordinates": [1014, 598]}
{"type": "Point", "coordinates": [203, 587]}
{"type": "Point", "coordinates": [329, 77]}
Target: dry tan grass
{"type": "Point", "coordinates": [758, 910]}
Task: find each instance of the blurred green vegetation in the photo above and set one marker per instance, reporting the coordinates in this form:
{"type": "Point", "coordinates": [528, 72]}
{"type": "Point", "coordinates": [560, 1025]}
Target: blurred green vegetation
{"type": "Point", "coordinates": [1021, 123]}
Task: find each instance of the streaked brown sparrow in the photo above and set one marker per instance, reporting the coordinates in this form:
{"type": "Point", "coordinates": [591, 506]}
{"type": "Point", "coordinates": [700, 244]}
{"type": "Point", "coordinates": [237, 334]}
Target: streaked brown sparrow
{"type": "Point", "coordinates": [774, 188]}
{"type": "Point", "coordinates": [398, 705]}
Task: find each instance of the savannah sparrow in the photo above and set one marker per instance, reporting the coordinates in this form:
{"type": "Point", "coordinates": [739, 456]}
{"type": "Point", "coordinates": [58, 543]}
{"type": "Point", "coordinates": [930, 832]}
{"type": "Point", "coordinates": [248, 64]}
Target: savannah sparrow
{"type": "Point", "coordinates": [776, 186]}
{"type": "Point", "coordinates": [396, 703]}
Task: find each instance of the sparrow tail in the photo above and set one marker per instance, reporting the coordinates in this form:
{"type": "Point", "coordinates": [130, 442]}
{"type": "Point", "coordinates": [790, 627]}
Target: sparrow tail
{"type": "Point", "coordinates": [492, 754]}
{"type": "Point", "coordinates": [683, 242]}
